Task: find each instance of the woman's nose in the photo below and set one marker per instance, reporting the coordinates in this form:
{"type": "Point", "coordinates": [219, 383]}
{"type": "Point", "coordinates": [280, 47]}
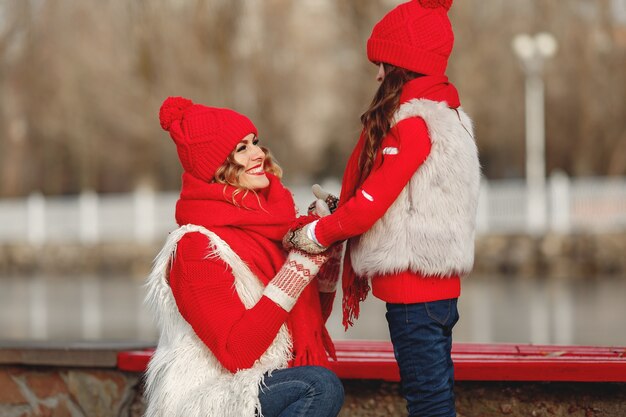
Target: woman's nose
{"type": "Point", "coordinates": [257, 153]}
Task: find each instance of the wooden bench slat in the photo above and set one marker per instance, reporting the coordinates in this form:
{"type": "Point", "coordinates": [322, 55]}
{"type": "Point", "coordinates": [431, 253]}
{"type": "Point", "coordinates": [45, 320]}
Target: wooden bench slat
{"type": "Point", "coordinates": [472, 362]}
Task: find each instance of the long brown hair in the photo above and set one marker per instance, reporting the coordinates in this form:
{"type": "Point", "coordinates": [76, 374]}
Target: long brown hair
{"type": "Point", "coordinates": [229, 172]}
{"type": "Point", "coordinates": [378, 117]}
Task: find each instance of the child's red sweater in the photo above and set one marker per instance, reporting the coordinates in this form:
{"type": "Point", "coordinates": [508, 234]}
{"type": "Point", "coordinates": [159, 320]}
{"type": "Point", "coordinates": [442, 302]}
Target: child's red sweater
{"type": "Point", "coordinates": [408, 145]}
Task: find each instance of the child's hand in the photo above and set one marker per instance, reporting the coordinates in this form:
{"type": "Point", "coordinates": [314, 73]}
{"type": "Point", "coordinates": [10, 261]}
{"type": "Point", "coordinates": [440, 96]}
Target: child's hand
{"type": "Point", "coordinates": [325, 204]}
{"type": "Point", "coordinates": [331, 200]}
{"type": "Point", "coordinates": [318, 208]}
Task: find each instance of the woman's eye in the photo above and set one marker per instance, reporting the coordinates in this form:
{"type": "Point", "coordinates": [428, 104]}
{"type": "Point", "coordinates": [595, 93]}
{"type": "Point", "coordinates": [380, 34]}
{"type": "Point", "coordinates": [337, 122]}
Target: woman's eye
{"type": "Point", "coordinates": [255, 142]}
{"type": "Point", "coordinates": [241, 148]}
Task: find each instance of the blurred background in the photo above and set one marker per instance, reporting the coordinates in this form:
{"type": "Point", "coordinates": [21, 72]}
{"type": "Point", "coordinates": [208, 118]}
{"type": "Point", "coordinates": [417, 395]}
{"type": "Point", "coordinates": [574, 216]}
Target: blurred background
{"type": "Point", "coordinates": [88, 180]}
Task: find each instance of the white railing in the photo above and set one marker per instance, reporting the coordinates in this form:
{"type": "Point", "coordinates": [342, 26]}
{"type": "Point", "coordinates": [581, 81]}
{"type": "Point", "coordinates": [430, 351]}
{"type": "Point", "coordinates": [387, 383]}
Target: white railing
{"type": "Point", "coordinates": [587, 204]}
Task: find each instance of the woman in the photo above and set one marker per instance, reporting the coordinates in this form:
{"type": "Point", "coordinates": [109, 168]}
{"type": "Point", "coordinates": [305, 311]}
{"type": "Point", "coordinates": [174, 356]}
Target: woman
{"type": "Point", "coordinates": [408, 202]}
{"type": "Point", "coordinates": [241, 331]}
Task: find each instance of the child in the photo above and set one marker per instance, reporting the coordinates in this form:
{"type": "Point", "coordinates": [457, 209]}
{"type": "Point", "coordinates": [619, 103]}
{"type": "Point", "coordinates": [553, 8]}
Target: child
{"type": "Point", "coordinates": [408, 202]}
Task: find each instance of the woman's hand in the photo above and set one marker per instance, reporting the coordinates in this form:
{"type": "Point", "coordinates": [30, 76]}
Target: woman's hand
{"type": "Point", "coordinates": [296, 273]}
{"type": "Point", "coordinates": [303, 238]}
{"type": "Point", "coordinates": [328, 275]}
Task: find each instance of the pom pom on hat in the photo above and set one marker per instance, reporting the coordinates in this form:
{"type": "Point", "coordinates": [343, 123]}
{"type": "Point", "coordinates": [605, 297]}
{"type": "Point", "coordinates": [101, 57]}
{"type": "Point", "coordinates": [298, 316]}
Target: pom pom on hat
{"type": "Point", "coordinates": [173, 109]}
{"type": "Point", "coordinates": [434, 4]}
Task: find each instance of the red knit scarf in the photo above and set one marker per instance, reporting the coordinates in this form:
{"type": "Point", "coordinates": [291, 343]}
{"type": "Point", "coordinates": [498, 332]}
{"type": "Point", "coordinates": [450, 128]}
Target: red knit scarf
{"type": "Point", "coordinates": [355, 288]}
{"type": "Point", "coordinates": [253, 225]}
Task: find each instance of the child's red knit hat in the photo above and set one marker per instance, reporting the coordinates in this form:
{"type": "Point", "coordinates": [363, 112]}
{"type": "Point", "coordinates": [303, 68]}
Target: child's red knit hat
{"type": "Point", "coordinates": [204, 136]}
{"type": "Point", "coordinates": [416, 35]}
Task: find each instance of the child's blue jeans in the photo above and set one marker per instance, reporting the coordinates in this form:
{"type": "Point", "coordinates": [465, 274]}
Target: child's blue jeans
{"type": "Point", "coordinates": [421, 334]}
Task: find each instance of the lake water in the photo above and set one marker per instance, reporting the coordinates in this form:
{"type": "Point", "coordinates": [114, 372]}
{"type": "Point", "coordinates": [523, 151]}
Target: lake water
{"type": "Point", "coordinates": [492, 309]}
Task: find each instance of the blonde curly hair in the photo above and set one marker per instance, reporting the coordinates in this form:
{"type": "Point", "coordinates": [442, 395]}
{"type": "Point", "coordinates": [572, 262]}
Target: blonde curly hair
{"type": "Point", "coordinates": [230, 171]}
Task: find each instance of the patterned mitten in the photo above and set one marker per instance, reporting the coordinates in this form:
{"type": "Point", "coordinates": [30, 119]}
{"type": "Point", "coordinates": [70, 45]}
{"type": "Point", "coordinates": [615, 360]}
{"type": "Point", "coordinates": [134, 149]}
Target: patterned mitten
{"type": "Point", "coordinates": [318, 208]}
{"type": "Point", "coordinates": [296, 273]}
{"type": "Point", "coordinates": [332, 201]}
{"type": "Point", "coordinates": [327, 279]}
{"type": "Point", "coordinates": [329, 201]}
{"type": "Point", "coordinates": [329, 273]}
{"type": "Point", "coordinates": [303, 239]}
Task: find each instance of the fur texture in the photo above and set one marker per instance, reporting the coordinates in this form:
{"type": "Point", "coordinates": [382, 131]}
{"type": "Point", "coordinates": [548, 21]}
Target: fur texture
{"type": "Point", "coordinates": [429, 229]}
{"type": "Point", "coordinates": [184, 378]}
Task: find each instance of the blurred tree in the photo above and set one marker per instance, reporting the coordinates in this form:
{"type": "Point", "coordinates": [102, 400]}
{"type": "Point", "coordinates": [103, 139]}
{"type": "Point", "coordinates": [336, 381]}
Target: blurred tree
{"type": "Point", "coordinates": [14, 26]}
{"type": "Point", "coordinates": [81, 84]}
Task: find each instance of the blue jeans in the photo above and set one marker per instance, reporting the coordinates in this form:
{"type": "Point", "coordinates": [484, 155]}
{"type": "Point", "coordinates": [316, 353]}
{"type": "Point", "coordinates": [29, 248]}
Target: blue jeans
{"type": "Point", "coordinates": [301, 391]}
{"type": "Point", "coordinates": [421, 334]}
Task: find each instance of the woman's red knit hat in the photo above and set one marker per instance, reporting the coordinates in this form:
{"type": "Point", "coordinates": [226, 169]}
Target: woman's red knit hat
{"type": "Point", "coordinates": [204, 136]}
{"type": "Point", "coordinates": [416, 35]}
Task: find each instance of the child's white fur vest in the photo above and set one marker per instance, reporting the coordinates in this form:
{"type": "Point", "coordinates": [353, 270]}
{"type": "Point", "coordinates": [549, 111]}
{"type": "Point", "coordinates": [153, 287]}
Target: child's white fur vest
{"type": "Point", "coordinates": [184, 379]}
{"type": "Point", "coordinates": [429, 229]}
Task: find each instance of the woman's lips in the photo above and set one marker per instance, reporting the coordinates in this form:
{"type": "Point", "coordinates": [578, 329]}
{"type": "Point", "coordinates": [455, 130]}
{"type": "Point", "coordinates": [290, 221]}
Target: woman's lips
{"type": "Point", "coordinates": [256, 170]}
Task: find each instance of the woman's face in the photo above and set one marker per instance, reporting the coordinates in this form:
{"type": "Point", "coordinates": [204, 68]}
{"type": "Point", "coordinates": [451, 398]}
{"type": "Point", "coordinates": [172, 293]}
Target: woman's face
{"type": "Point", "coordinates": [249, 155]}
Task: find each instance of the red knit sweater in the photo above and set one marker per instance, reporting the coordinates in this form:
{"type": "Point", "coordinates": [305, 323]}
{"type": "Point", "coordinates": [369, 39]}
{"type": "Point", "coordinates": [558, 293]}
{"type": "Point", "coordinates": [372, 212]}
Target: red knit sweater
{"type": "Point", "coordinates": [382, 187]}
{"type": "Point", "coordinates": [206, 298]}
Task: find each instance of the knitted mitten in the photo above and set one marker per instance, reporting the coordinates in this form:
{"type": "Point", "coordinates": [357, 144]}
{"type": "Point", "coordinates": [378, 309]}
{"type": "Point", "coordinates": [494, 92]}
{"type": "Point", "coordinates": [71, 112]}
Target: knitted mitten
{"type": "Point", "coordinates": [318, 208]}
{"type": "Point", "coordinates": [329, 273]}
{"type": "Point", "coordinates": [331, 200]}
{"type": "Point", "coordinates": [324, 199]}
{"type": "Point", "coordinates": [296, 273]}
{"type": "Point", "coordinates": [327, 279]}
{"type": "Point", "coordinates": [302, 239]}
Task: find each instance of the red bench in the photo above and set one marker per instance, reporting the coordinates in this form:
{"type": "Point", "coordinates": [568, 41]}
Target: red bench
{"type": "Point", "coordinates": [360, 359]}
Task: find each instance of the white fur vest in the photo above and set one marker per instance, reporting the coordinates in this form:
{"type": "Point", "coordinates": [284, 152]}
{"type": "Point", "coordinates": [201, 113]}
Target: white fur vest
{"type": "Point", "coordinates": [184, 379]}
{"type": "Point", "coordinates": [429, 229]}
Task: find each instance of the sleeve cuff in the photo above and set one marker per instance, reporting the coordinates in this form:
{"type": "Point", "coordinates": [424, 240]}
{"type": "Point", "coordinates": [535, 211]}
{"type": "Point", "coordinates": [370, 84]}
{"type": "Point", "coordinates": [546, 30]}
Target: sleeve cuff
{"type": "Point", "coordinates": [279, 297]}
{"type": "Point", "coordinates": [310, 232]}
{"type": "Point", "coordinates": [327, 231]}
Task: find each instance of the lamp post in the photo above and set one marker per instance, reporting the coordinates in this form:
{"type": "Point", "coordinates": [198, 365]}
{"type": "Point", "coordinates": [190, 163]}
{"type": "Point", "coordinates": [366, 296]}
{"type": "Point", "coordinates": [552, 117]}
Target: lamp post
{"type": "Point", "coordinates": [532, 52]}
